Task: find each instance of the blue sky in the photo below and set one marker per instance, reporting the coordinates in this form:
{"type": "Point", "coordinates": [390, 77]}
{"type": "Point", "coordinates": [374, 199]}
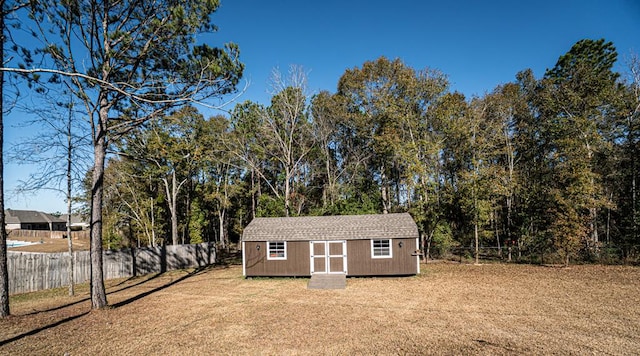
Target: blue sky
{"type": "Point", "coordinates": [477, 44]}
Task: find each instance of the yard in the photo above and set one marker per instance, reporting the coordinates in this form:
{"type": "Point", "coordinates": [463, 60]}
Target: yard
{"type": "Point", "coordinates": [49, 245]}
{"type": "Point", "coordinates": [449, 309]}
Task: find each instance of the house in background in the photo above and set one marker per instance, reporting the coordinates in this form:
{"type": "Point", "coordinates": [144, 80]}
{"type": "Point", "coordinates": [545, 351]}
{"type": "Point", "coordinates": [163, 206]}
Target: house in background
{"type": "Point", "coordinates": [351, 245]}
{"type": "Point", "coordinates": [78, 222]}
{"type": "Point", "coordinates": [33, 220]}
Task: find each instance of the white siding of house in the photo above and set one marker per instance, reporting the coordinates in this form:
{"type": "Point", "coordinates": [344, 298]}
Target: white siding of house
{"type": "Point", "coordinates": [13, 226]}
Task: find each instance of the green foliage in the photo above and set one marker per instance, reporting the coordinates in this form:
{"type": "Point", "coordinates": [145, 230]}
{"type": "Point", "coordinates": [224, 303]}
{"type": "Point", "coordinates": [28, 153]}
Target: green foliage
{"type": "Point", "coordinates": [442, 241]}
{"type": "Point", "coordinates": [197, 224]}
{"type": "Point", "coordinates": [354, 203]}
{"type": "Point", "coordinates": [269, 206]}
{"type": "Point", "coordinates": [113, 234]}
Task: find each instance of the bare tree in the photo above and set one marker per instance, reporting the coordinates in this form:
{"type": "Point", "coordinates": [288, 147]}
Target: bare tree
{"type": "Point", "coordinates": [60, 152]}
{"type": "Point", "coordinates": [287, 126]}
{"type": "Point", "coordinates": [280, 133]}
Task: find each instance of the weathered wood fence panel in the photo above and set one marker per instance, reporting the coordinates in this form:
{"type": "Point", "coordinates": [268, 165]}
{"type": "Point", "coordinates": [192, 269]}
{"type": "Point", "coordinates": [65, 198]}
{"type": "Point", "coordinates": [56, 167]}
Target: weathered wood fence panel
{"type": "Point", "coordinates": [46, 234]}
{"type": "Point", "coordinates": [29, 272]}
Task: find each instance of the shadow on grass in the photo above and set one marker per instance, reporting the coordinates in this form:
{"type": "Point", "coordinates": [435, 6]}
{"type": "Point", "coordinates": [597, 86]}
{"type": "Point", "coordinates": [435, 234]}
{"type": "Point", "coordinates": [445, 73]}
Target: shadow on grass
{"type": "Point", "coordinates": [164, 286]}
{"type": "Point", "coordinates": [142, 281]}
{"type": "Point", "coordinates": [58, 307]}
{"type": "Point", "coordinates": [43, 328]}
{"type": "Point", "coordinates": [116, 305]}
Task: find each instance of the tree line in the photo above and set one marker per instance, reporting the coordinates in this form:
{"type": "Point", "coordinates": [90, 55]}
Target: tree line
{"type": "Point", "coordinates": [544, 164]}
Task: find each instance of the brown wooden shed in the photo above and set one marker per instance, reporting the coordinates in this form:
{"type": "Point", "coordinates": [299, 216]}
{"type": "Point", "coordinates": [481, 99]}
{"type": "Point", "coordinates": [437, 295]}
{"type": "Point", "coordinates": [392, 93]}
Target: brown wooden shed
{"type": "Point", "coordinates": [354, 245]}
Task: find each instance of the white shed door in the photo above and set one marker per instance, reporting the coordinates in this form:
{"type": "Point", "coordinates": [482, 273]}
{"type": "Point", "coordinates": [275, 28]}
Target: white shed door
{"type": "Point", "coordinates": [328, 257]}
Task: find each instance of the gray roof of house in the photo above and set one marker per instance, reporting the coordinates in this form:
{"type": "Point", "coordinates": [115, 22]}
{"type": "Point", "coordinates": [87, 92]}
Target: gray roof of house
{"type": "Point", "coordinates": [29, 216]}
{"type": "Point", "coordinates": [76, 219]}
{"type": "Point", "coordinates": [343, 227]}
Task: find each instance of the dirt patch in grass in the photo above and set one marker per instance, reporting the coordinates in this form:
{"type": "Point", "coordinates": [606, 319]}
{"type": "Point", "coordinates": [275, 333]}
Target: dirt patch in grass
{"type": "Point", "coordinates": [448, 309]}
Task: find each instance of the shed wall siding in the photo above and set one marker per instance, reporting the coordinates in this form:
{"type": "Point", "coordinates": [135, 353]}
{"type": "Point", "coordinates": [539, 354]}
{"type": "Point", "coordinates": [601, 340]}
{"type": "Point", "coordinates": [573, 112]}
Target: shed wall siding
{"type": "Point", "coordinates": [359, 259]}
{"type": "Point", "coordinates": [296, 264]}
{"type": "Point", "coordinates": [361, 264]}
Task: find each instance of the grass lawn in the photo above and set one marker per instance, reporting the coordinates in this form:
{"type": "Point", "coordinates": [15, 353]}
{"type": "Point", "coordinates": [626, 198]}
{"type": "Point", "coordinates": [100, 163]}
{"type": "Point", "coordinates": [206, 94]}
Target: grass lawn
{"type": "Point", "coordinates": [449, 309]}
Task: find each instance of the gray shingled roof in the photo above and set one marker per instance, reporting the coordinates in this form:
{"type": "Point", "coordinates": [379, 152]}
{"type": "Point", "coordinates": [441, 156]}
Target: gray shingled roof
{"type": "Point", "coordinates": [76, 219]}
{"type": "Point", "coordinates": [344, 227]}
{"type": "Point", "coordinates": [29, 216]}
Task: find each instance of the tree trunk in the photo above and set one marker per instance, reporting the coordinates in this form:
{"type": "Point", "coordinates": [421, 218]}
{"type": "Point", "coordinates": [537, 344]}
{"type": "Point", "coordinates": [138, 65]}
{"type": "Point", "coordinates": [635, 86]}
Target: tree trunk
{"type": "Point", "coordinates": [423, 247]}
{"type": "Point", "coordinates": [221, 214]}
{"type": "Point", "coordinates": [172, 199]}
{"type": "Point", "coordinates": [510, 193]}
{"type": "Point", "coordinates": [327, 191]}
{"type": "Point", "coordinates": [253, 194]}
{"type": "Point", "coordinates": [519, 250]}
{"type": "Point", "coordinates": [475, 223]}
{"type": "Point", "coordinates": [153, 226]}
{"type": "Point", "coordinates": [509, 203]}
{"type": "Point", "coordinates": [384, 190]}
{"type": "Point", "coordinates": [174, 210]}
{"type": "Point", "coordinates": [98, 294]}
{"type": "Point", "coordinates": [497, 232]}
{"type": "Point", "coordinates": [69, 186]}
{"type": "Point", "coordinates": [287, 193]}
{"type": "Point", "coordinates": [475, 234]}
{"type": "Point", "coordinates": [186, 232]}
{"type": "Point", "coordinates": [607, 231]}
{"type": "Point", "coordinates": [4, 266]}
{"type": "Point", "coordinates": [634, 200]}
{"type": "Point", "coordinates": [70, 244]}
{"type": "Point", "coordinates": [593, 217]}
{"type": "Point", "coordinates": [427, 251]}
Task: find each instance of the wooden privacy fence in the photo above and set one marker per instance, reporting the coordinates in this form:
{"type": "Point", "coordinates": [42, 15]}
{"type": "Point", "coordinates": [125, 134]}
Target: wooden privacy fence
{"type": "Point", "coordinates": [46, 234]}
{"type": "Point", "coordinates": [29, 272]}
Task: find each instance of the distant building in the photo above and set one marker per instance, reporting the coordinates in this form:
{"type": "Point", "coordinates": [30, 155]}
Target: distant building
{"type": "Point", "coordinates": [78, 222]}
{"type": "Point", "coordinates": [33, 220]}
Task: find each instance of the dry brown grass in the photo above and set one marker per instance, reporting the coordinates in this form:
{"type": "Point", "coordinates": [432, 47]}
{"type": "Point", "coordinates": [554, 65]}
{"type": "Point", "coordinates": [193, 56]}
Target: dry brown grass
{"type": "Point", "coordinates": [49, 245]}
{"type": "Point", "coordinates": [449, 309]}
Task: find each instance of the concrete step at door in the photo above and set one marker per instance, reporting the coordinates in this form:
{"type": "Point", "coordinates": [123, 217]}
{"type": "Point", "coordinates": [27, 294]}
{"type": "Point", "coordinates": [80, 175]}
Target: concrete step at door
{"type": "Point", "coordinates": [327, 281]}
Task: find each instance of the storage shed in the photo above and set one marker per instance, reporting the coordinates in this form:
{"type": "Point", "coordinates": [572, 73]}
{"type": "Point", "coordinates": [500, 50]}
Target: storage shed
{"type": "Point", "coordinates": [353, 245]}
